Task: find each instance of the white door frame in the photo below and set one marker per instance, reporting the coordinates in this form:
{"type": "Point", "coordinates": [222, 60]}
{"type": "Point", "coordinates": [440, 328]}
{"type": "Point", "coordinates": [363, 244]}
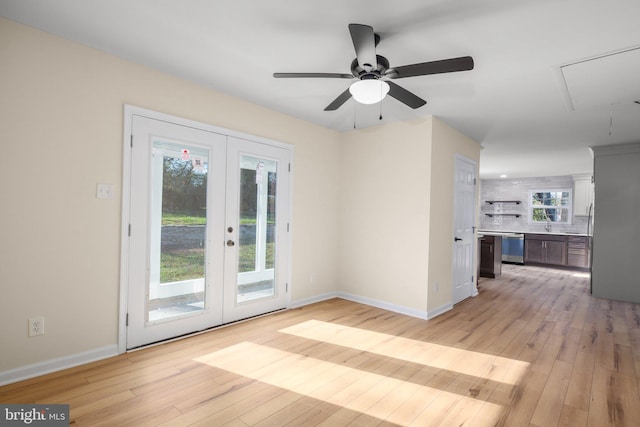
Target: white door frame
{"type": "Point", "coordinates": [129, 112]}
{"type": "Point", "coordinates": [474, 249]}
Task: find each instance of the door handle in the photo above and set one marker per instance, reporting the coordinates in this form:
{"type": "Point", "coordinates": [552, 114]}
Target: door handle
{"type": "Point", "coordinates": [456, 239]}
{"type": "Point", "coordinates": [230, 243]}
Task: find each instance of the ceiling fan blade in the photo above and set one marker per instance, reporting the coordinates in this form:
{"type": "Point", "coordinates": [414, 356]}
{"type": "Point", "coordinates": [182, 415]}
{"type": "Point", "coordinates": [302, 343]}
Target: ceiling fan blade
{"type": "Point", "coordinates": [341, 99]}
{"type": "Point", "coordinates": [464, 63]}
{"type": "Point", "coordinates": [404, 96]}
{"type": "Point", "coordinates": [312, 75]}
{"type": "Point", "coordinates": [364, 42]}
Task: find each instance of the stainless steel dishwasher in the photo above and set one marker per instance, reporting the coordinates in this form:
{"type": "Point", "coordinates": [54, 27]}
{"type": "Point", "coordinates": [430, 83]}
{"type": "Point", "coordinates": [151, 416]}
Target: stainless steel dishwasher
{"type": "Point", "coordinates": [513, 248]}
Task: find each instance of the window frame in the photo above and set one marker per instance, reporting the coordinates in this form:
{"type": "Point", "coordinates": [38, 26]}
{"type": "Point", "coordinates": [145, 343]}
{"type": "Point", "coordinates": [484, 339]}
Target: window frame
{"type": "Point", "coordinates": [568, 206]}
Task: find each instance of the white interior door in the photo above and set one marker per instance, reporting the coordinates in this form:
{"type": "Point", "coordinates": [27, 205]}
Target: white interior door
{"type": "Point", "coordinates": [463, 229]}
{"type": "Point", "coordinates": [257, 241]}
{"type": "Point", "coordinates": [209, 238]}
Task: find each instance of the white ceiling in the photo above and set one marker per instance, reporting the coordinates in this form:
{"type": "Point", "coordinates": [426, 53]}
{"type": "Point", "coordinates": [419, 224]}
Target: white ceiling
{"type": "Point", "coordinates": [516, 102]}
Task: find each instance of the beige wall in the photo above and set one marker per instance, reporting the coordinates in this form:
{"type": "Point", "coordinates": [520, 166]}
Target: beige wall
{"type": "Point", "coordinates": [366, 207]}
{"type": "Point", "coordinates": [61, 113]}
{"type": "Point", "coordinates": [384, 213]}
{"type": "Point", "coordinates": [396, 213]}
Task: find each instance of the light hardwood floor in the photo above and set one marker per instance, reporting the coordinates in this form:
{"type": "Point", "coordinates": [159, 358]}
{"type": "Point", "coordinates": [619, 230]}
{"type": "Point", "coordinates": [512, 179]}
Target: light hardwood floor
{"type": "Point", "coordinates": [532, 349]}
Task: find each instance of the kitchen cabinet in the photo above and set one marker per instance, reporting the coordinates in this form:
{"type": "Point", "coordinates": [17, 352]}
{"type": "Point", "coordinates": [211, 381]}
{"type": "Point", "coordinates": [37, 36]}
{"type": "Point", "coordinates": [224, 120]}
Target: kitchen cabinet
{"type": "Point", "coordinates": [490, 256]}
{"type": "Point", "coordinates": [533, 250]}
{"type": "Point", "coordinates": [545, 249]}
{"type": "Point", "coordinates": [582, 194]}
{"type": "Point", "coordinates": [578, 251]}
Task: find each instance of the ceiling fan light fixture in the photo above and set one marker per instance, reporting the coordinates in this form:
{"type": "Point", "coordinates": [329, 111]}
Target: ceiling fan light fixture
{"type": "Point", "coordinates": [369, 91]}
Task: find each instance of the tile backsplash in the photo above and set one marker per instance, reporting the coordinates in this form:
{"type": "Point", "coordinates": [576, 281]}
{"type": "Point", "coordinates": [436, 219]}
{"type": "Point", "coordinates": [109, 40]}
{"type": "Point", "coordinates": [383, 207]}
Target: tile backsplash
{"type": "Point", "coordinates": [518, 189]}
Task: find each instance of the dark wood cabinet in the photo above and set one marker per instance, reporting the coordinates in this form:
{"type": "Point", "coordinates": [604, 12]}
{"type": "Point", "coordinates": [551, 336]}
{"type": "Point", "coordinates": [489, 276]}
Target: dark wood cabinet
{"type": "Point", "coordinates": [578, 251]}
{"type": "Point", "coordinates": [490, 256]}
{"type": "Point", "coordinates": [533, 250]}
{"type": "Point", "coordinates": [545, 249]}
{"type": "Point", "coordinates": [557, 250]}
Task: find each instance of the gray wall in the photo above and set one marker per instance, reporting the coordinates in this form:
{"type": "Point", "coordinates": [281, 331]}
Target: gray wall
{"type": "Point", "coordinates": [616, 230]}
{"type": "Point", "coordinates": [518, 189]}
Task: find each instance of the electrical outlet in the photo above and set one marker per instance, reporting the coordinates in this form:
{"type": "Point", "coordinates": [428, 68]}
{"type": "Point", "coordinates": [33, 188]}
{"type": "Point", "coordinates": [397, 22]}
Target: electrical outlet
{"type": "Point", "coordinates": [36, 326]}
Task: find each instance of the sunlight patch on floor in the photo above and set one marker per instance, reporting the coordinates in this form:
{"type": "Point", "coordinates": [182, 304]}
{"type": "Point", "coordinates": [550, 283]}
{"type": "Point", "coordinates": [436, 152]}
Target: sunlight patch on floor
{"type": "Point", "coordinates": [494, 368]}
{"type": "Point", "coordinates": [386, 398]}
{"type": "Point", "coordinates": [582, 275]}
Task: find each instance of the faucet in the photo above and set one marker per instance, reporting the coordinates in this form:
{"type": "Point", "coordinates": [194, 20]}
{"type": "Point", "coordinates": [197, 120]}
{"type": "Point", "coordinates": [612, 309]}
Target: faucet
{"type": "Point", "coordinates": [548, 225]}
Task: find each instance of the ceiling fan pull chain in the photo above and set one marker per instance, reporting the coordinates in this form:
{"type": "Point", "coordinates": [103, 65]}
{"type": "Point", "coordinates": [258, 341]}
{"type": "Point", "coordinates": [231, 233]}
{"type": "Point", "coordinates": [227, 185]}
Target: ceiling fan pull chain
{"type": "Point", "coordinates": [355, 105]}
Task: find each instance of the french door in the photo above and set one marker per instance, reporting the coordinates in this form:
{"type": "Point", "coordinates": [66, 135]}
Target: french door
{"type": "Point", "coordinates": [256, 228]}
{"type": "Point", "coordinates": [208, 237]}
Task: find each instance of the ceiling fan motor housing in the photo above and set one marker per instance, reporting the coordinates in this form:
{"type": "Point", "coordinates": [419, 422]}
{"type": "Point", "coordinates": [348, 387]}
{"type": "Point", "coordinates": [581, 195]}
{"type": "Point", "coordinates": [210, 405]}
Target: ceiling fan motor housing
{"type": "Point", "coordinates": [374, 73]}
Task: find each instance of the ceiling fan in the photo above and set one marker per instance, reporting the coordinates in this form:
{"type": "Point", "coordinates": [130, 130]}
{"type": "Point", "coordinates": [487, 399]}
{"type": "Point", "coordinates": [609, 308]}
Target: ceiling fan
{"type": "Point", "coordinates": [374, 73]}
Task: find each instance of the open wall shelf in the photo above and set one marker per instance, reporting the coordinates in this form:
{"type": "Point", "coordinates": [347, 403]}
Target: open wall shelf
{"type": "Point", "coordinates": [498, 207]}
{"type": "Point", "coordinates": [502, 214]}
{"type": "Point", "coordinates": [517, 202]}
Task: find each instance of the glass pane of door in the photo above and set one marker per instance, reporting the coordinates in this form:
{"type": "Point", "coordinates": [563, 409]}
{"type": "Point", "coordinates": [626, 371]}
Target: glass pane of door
{"type": "Point", "coordinates": [177, 279]}
{"type": "Point", "coordinates": [257, 209]}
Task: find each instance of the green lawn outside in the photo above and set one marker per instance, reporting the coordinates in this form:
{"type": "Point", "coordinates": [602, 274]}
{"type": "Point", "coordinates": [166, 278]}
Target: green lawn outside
{"type": "Point", "coordinates": [182, 219]}
{"type": "Point", "coordinates": [186, 219]}
{"type": "Point", "coordinates": [189, 264]}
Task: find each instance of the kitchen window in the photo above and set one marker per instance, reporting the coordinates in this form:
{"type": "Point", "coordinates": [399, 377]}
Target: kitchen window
{"type": "Point", "coordinates": [550, 206]}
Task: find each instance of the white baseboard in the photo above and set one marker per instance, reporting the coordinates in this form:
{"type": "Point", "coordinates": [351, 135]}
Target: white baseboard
{"type": "Point", "coordinates": [385, 305]}
{"type": "Point", "coordinates": [312, 300]}
{"type": "Point", "coordinates": [374, 303]}
{"type": "Point", "coordinates": [440, 310]}
{"type": "Point", "coordinates": [58, 364]}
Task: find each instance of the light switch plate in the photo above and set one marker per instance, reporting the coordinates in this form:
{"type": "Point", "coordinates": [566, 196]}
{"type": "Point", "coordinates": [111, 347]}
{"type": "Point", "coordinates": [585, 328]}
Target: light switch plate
{"type": "Point", "coordinates": [104, 191]}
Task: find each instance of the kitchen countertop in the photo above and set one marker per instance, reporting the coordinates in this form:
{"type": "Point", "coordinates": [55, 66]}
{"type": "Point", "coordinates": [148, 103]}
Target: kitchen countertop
{"type": "Point", "coordinates": [496, 233]}
{"type": "Point", "coordinates": [507, 233]}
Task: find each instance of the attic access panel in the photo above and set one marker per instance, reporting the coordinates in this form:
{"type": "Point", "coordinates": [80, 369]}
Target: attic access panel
{"type": "Point", "coordinates": [612, 78]}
